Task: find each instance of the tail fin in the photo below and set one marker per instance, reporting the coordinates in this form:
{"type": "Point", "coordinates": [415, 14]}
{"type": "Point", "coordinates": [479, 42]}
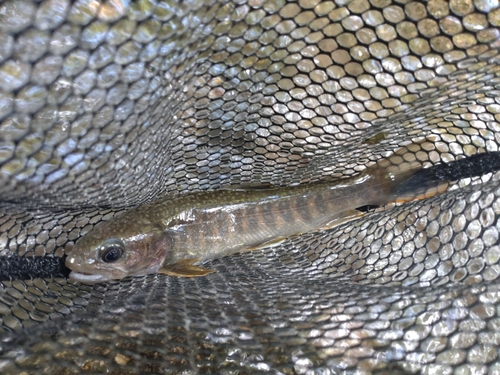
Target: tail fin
{"type": "Point", "coordinates": [404, 180]}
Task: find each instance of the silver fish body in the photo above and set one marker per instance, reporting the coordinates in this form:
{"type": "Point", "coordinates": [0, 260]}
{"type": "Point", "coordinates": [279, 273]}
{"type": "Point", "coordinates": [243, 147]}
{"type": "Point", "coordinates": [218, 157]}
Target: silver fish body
{"type": "Point", "coordinates": [214, 224]}
{"type": "Point", "coordinates": [170, 235]}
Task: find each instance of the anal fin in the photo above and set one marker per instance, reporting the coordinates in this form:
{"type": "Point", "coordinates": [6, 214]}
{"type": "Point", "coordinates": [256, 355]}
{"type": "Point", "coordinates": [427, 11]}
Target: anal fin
{"type": "Point", "coordinates": [271, 243]}
{"type": "Point", "coordinates": [185, 268]}
{"type": "Point", "coordinates": [344, 217]}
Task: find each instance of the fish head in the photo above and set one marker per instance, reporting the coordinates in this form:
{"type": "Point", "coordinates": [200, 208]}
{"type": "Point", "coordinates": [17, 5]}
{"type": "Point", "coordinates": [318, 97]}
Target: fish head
{"type": "Point", "coordinates": [117, 249]}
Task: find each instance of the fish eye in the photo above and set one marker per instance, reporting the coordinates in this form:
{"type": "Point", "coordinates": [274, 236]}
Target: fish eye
{"type": "Point", "coordinates": [111, 250]}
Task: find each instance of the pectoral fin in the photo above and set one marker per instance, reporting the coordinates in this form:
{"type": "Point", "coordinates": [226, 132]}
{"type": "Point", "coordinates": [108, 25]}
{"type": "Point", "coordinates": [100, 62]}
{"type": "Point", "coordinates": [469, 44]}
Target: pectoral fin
{"type": "Point", "coordinates": [185, 268]}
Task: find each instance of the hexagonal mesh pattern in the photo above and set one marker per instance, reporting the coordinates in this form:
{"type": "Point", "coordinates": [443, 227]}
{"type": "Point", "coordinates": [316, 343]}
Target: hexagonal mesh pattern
{"type": "Point", "coordinates": [106, 105]}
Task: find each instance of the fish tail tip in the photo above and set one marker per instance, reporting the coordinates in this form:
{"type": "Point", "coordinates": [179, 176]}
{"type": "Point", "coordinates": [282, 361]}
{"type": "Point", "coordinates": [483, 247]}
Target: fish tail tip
{"type": "Point", "coordinates": [415, 183]}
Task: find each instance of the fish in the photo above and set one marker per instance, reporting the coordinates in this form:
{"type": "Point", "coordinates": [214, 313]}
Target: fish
{"type": "Point", "coordinates": [176, 235]}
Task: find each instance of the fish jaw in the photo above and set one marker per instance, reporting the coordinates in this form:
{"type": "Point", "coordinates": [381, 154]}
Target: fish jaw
{"type": "Point", "coordinates": [88, 278]}
{"type": "Point", "coordinates": [96, 277]}
{"type": "Point", "coordinates": [78, 273]}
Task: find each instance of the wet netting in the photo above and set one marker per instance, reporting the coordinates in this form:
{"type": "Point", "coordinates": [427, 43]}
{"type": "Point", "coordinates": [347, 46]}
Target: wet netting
{"type": "Point", "coordinates": [107, 105]}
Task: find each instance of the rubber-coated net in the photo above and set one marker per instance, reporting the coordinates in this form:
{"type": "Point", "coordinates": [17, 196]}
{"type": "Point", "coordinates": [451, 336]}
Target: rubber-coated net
{"type": "Point", "coordinates": [106, 105]}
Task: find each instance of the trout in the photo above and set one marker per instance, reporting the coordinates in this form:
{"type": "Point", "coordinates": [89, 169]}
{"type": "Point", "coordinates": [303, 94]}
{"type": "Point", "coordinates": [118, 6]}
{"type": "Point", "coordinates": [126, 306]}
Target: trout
{"type": "Point", "coordinates": [176, 235]}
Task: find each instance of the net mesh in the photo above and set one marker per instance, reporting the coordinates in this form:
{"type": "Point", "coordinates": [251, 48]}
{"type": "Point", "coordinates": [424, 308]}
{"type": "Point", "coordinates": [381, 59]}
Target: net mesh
{"type": "Point", "coordinates": [106, 105]}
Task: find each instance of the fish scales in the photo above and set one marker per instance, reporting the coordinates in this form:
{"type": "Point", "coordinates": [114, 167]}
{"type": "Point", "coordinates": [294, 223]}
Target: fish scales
{"type": "Point", "coordinates": [176, 235]}
{"type": "Point", "coordinates": [207, 225]}
{"type": "Point", "coordinates": [253, 220]}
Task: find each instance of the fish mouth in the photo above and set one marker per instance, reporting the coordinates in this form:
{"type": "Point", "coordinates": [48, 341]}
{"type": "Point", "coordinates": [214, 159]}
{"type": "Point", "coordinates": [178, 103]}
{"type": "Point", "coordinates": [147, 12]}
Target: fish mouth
{"type": "Point", "coordinates": [87, 278]}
